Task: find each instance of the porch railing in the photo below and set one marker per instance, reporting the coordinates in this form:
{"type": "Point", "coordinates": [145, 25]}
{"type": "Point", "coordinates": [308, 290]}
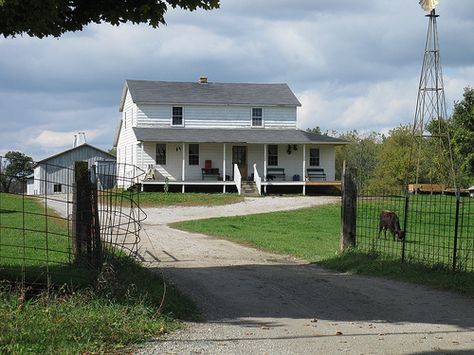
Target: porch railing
{"type": "Point", "coordinates": [237, 178]}
{"type": "Point", "coordinates": [257, 179]}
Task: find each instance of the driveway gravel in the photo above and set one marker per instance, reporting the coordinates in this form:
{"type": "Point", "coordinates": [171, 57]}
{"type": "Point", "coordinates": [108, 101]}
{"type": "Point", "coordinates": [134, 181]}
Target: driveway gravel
{"type": "Point", "coordinates": [255, 302]}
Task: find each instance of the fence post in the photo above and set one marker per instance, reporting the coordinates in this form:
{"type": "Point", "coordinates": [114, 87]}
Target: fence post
{"type": "Point", "coordinates": [80, 215]}
{"type": "Point", "coordinates": [95, 226]}
{"type": "Point", "coordinates": [86, 242]}
{"type": "Point", "coordinates": [405, 224]}
{"type": "Point", "coordinates": [348, 211]}
{"type": "Point", "coordinates": [456, 230]}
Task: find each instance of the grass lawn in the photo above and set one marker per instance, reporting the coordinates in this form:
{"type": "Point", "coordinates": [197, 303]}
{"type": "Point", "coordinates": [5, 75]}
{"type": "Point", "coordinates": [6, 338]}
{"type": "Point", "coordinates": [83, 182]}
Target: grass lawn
{"type": "Point", "coordinates": [161, 199]}
{"type": "Point", "coordinates": [313, 234]}
{"type": "Point", "coordinates": [430, 230]}
{"type": "Point", "coordinates": [120, 309]}
{"type": "Point", "coordinates": [308, 233]}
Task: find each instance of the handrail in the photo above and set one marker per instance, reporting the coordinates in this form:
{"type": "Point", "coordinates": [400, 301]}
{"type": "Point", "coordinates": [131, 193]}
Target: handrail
{"type": "Point", "coordinates": [237, 178]}
{"type": "Point", "coordinates": [257, 179]}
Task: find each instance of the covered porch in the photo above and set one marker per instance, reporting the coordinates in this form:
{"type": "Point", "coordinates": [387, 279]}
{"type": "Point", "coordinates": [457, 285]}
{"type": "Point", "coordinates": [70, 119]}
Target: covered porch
{"type": "Point", "coordinates": [237, 164]}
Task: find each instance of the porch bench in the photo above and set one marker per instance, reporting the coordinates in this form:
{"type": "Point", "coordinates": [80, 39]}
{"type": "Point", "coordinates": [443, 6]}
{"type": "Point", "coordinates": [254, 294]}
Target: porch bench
{"type": "Point", "coordinates": [316, 174]}
{"type": "Point", "coordinates": [210, 173]}
{"type": "Point", "coordinates": [276, 173]}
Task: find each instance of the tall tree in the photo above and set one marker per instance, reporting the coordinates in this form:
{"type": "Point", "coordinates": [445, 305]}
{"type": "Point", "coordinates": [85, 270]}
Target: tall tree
{"type": "Point", "coordinates": [462, 136]}
{"type": "Point", "coordinates": [56, 17]}
{"type": "Point", "coordinates": [360, 156]}
{"type": "Point", "coordinates": [14, 166]}
{"type": "Point", "coordinates": [395, 159]}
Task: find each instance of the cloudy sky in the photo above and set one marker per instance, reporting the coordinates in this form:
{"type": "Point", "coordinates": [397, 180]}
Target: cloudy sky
{"type": "Point", "coordinates": [353, 65]}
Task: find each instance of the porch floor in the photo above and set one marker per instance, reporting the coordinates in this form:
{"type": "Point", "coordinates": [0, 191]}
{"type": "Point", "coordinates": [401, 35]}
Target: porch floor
{"type": "Point", "coordinates": [336, 184]}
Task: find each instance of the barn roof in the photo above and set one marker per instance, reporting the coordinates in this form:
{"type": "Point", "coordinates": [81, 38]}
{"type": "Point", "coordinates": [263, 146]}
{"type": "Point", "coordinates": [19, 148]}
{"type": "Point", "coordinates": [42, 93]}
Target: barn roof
{"type": "Point", "coordinates": [76, 148]}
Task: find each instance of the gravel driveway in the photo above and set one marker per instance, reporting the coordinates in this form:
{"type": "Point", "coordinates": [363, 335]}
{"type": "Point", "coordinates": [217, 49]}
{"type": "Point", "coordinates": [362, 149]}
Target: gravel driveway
{"type": "Point", "coordinates": [261, 303]}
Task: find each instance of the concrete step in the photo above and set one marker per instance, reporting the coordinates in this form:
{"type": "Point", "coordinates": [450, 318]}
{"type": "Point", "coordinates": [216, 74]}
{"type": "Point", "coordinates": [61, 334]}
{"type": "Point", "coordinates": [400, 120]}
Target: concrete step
{"type": "Point", "coordinates": [249, 189]}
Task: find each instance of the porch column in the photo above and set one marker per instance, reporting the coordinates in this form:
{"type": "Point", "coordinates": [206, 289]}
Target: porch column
{"type": "Point", "coordinates": [183, 149]}
{"type": "Point", "coordinates": [223, 167]}
{"type": "Point", "coordinates": [265, 151]}
{"type": "Point", "coordinates": [304, 170]}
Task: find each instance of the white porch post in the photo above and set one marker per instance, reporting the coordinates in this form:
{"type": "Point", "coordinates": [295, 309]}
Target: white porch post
{"type": "Point", "coordinates": [304, 169]}
{"type": "Point", "coordinates": [223, 167]}
{"type": "Point", "coordinates": [184, 166]}
{"type": "Point", "coordinates": [265, 167]}
{"type": "Point", "coordinates": [141, 161]}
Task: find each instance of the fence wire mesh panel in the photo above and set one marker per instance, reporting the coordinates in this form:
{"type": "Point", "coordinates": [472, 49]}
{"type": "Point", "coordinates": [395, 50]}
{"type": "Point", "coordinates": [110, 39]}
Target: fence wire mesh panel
{"type": "Point", "coordinates": [431, 229]}
{"type": "Point", "coordinates": [42, 234]}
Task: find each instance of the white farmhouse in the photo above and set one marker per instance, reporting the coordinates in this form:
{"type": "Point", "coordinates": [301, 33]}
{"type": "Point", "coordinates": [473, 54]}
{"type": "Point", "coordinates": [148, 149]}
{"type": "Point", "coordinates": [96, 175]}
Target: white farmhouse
{"type": "Point", "coordinates": [221, 134]}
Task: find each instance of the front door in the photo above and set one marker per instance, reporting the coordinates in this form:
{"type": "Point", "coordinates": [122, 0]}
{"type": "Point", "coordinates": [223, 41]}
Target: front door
{"type": "Point", "coordinates": [239, 157]}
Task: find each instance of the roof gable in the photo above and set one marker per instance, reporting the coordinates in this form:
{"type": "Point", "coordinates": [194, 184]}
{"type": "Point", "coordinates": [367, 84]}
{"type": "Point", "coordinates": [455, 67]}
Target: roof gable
{"type": "Point", "coordinates": [165, 92]}
{"type": "Point", "coordinates": [76, 148]}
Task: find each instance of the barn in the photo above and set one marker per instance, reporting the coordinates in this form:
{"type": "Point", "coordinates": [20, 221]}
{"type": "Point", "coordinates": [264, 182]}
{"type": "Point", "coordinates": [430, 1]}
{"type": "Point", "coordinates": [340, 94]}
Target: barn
{"type": "Point", "coordinates": [55, 174]}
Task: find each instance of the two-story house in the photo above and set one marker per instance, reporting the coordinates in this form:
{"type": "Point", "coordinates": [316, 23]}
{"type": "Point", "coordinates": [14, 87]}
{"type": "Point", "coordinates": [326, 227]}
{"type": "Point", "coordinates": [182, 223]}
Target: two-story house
{"type": "Point", "coordinates": [220, 134]}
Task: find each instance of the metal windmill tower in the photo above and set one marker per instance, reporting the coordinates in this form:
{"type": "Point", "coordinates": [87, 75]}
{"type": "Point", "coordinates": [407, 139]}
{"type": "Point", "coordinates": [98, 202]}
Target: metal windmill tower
{"type": "Point", "coordinates": [431, 101]}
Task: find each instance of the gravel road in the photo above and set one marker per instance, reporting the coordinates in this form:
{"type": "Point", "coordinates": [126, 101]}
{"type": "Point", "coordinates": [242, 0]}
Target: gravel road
{"type": "Point", "coordinates": [261, 303]}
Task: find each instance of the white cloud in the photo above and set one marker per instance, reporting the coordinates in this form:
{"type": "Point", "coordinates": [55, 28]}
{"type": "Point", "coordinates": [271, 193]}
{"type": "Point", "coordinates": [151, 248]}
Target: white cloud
{"type": "Point", "coordinates": [353, 65]}
{"type": "Point", "coordinates": [54, 139]}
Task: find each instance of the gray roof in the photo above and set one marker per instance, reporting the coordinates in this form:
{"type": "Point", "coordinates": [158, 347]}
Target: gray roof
{"type": "Point", "coordinates": [75, 148]}
{"type": "Point", "coordinates": [144, 91]}
{"type": "Point", "coordinates": [251, 136]}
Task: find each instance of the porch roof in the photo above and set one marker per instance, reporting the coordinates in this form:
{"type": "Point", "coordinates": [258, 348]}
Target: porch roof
{"type": "Point", "coordinates": [251, 136]}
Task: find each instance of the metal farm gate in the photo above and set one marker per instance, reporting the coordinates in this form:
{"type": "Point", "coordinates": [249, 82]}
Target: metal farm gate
{"type": "Point", "coordinates": [438, 227]}
{"type": "Point", "coordinates": [80, 220]}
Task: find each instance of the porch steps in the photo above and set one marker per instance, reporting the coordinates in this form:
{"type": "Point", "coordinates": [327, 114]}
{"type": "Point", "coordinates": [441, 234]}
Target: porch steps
{"type": "Point", "coordinates": [249, 189]}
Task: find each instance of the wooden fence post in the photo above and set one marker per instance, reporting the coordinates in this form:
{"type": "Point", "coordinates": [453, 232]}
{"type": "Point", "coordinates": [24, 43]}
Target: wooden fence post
{"type": "Point", "coordinates": [86, 242]}
{"type": "Point", "coordinates": [80, 210]}
{"type": "Point", "coordinates": [348, 211]}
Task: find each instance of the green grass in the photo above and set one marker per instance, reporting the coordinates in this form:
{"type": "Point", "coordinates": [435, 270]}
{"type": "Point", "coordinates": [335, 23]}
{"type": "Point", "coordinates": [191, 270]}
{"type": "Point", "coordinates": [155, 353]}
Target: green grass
{"type": "Point", "coordinates": [34, 241]}
{"type": "Point", "coordinates": [121, 308]}
{"type": "Point", "coordinates": [308, 233]}
{"type": "Point", "coordinates": [160, 199]}
{"type": "Point", "coordinates": [121, 311]}
{"type": "Point", "coordinates": [29, 238]}
{"type": "Point", "coordinates": [430, 229]}
{"type": "Point", "coordinates": [313, 234]}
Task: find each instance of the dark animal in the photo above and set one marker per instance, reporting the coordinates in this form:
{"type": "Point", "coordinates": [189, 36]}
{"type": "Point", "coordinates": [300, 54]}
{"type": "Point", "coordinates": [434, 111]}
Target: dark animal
{"type": "Point", "coordinates": [389, 220]}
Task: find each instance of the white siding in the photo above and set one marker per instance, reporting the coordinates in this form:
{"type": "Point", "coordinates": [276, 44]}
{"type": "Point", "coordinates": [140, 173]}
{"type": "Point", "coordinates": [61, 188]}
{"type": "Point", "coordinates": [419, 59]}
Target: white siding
{"type": "Point", "coordinates": [127, 142]}
{"type": "Point", "coordinates": [214, 116]}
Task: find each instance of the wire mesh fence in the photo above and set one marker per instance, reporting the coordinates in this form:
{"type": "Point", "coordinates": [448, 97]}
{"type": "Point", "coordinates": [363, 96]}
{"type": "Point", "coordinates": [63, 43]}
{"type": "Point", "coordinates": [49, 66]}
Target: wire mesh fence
{"type": "Point", "coordinates": [437, 229]}
{"type": "Point", "coordinates": [43, 239]}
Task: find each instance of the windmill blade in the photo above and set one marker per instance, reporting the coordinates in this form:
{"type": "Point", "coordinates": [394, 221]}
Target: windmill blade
{"type": "Point", "coordinates": [428, 5]}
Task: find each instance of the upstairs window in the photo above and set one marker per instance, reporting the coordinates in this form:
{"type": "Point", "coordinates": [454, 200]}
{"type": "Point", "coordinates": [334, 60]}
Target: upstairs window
{"type": "Point", "coordinates": [125, 120]}
{"type": "Point", "coordinates": [161, 154]}
{"type": "Point", "coordinates": [194, 154]}
{"type": "Point", "coordinates": [257, 117]}
{"type": "Point", "coordinates": [57, 188]}
{"type": "Point", "coordinates": [273, 155]}
{"type": "Point", "coordinates": [177, 117]}
{"type": "Point", "coordinates": [314, 157]}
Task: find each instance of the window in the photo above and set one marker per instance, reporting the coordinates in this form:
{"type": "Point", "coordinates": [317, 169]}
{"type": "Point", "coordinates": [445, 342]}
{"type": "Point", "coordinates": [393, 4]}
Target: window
{"type": "Point", "coordinates": [314, 157]}
{"type": "Point", "coordinates": [194, 154]}
{"type": "Point", "coordinates": [161, 154]}
{"type": "Point", "coordinates": [257, 117]}
{"type": "Point", "coordinates": [273, 155]}
{"type": "Point", "coordinates": [57, 188]}
{"type": "Point", "coordinates": [125, 120]}
{"type": "Point", "coordinates": [177, 119]}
